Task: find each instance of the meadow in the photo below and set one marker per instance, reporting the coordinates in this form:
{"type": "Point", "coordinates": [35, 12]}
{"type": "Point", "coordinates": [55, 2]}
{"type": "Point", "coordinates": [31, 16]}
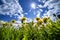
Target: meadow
{"type": "Point", "coordinates": [43, 29]}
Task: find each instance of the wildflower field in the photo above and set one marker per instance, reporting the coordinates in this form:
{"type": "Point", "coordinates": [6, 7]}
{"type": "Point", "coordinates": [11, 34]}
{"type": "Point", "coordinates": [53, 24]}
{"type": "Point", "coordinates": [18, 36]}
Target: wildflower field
{"type": "Point", "coordinates": [43, 29]}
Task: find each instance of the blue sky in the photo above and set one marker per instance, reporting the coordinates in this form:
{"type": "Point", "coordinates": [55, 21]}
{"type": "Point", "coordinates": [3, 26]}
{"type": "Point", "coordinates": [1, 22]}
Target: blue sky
{"type": "Point", "coordinates": [26, 5]}
{"type": "Point", "coordinates": [15, 9]}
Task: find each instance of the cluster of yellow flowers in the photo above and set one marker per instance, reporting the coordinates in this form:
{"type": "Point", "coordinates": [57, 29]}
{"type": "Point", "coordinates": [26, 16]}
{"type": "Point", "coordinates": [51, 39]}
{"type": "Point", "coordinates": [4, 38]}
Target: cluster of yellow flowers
{"type": "Point", "coordinates": [5, 24]}
{"type": "Point", "coordinates": [39, 21]}
{"type": "Point", "coordinates": [43, 20]}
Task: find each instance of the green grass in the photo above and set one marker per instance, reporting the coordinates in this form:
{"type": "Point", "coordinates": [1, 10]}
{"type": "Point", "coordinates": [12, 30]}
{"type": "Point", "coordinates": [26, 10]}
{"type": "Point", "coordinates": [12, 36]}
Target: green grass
{"type": "Point", "coordinates": [30, 32]}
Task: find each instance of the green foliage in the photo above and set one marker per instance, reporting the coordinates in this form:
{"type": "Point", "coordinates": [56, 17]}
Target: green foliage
{"type": "Point", "coordinates": [45, 31]}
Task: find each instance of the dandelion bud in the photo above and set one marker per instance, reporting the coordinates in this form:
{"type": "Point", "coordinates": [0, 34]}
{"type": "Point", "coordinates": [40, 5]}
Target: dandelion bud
{"type": "Point", "coordinates": [13, 21]}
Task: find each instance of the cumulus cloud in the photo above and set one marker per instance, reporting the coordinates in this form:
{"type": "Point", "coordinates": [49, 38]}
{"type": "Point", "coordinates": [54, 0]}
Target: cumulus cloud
{"type": "Point", "coordinates": [52, 4]}
{"type": "Point", "coordinates": [11, 7]}
{"type": "Point", "coordinates": [53, 8]}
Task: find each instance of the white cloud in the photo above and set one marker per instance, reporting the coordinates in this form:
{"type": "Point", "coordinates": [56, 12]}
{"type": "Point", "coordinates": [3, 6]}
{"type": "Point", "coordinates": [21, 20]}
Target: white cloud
{"type": "Point", "coordinates": [11, 7]}
{"type": "Point", "coordinates": [40, 10]}
{"type": "Point", "coordinates": [55, 4]}
{"type": "Point", "coordinates": [38, 14]}
{"type": "Point", "coordinates": [20, 16]}
{"type": "Point", "coordinates": [29, 20]}
{"type": "Point", "coordinates": [42, 1]}
{"type": "Point", "coordinates": [26, 13]}
{"type": "Point", "coordinates": [17, 25]}
{"type": "Point", "coordinates": [40, 6]}
{"type": "Point", "coordinates": [18, 22]}
{"type": "Point", "coordinates": [52, 4]}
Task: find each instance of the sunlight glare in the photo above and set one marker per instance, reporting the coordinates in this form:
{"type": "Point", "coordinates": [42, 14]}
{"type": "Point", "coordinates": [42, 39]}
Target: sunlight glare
{"type": "Point", "coordinates": [33, 5]}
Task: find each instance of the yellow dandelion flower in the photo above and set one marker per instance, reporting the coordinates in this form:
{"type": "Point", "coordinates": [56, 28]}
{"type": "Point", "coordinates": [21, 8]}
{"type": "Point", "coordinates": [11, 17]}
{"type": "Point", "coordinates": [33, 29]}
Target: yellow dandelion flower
{"type": "Point", "coordinates": [23, 19]}
{"type": "Point", "coordinates": [13, 21]}
{"type": "Point", "coordinates": [39, 22]}
{"type": "Point", "coordinates": [37, 18]}
{"type": "Point", "coordinates": [5, 24]}
{"type": "Point", "coordinates": [45, 19]}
